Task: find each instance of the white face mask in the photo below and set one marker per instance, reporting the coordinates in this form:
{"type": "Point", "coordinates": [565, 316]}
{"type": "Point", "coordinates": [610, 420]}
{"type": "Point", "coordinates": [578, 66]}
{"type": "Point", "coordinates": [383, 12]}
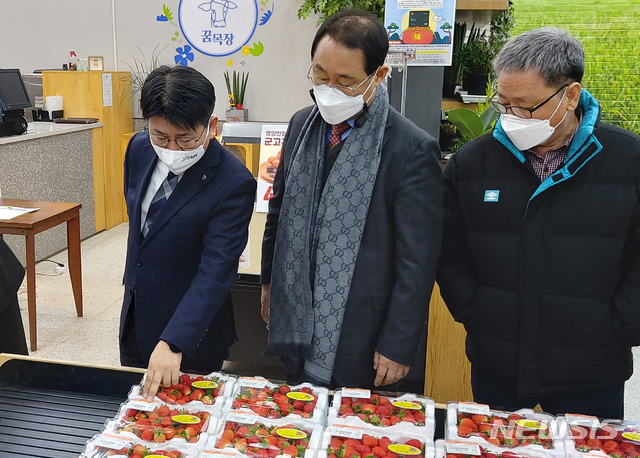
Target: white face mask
{"type": "Point", "coordinates": [527, 133]}
{"type": "Point", "coordinates": [179, 161]}
{"type": "Point", "coordinates": [335, 106]}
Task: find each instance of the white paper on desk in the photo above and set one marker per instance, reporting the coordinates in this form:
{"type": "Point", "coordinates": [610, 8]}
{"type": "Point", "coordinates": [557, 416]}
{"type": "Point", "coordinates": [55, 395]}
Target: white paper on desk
{"type": "Point", "coordinates": [7, 213]}
{"type": "Point", "coordinates": [107, 90]}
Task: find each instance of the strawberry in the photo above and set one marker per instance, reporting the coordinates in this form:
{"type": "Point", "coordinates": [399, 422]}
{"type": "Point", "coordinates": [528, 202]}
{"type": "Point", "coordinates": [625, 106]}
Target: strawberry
{"type": "Point", "coordinates": [284, 389]}
{"type": "Point", "coordinates": [383, 411]}
{"type": "Point", "coordinates": [306, 389]}
{"type": "Point", "coordinates": [467, 422]}
{"type": "Point", "coordinates": [385, 422]}
{"type": "Point", "coordinates": [163, 411]}
{"type": "Point", "coordinates": [583, 448]}
{"type": "Point", "coordinates": [616, 454]}
{"type": "Point", "coordinates": [627, 447]}
{"type": "Point", "coordinates": [197, 395]}
{"type": "Point", "coordinates": [368, 409]}
{"type": "Point", "coordinates": [479, 419]}
{"type": "Point", "coordinates": [191, 431]}
{"type": "Point", "coordinates": [379, 452]}
{"type": "Point", "coordinates": [346, 401]}
{"type": "Point", "coordinates": [298, 405]}
{"type": "Point", "coordinates": [309, 408]}
{"type": "Point", "coordinates": [139, 450]}
{"type": "Point", "coordinates": [610, 446]}
{"type": "Point", "coordinates": [187, 390]}
{"type": "Point", "coordinates": [159, 436]}
{"type": "Point", "coordinates": [414, 443]}
{"type": "Point", "coordinates": [369, 441]}
{"type": "Point", "coordinates": [336, 442]}
{"type": "Point", "coordinates": [169, 432]}
{"type": "Point", "coordinates": [384, 442]}
{"type": "Point", "coordinates": [290, 450]}
{"type": "Point", "coordinates": [147, 435]}
{"type": "Point", "coordinates": [595, 443]}
{"type": "Point", "coordinates": [394, 420]}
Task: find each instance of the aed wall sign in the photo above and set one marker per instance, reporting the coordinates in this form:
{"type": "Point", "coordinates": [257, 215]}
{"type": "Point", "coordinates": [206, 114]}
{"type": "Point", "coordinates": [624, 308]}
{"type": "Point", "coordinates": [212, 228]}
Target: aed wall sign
{"type": "Point", "coordinates": [219, 27]}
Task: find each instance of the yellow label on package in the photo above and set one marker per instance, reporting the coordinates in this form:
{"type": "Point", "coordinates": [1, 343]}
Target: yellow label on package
{"type": "Point", "coordinates": [407, 405]}
{"type": "Point", "coordinates": [530, 424]}
{"type": "Point", "coordinates": [297, 396]}
{"type": "Point", "coordinates": [186, 419]}
{"type": "Point", "coordinates": [291, 433]}
{"type": "Point", "coordinates": [632, 436]}
{"type": "Point", "coordinates": [205, 384]}
{"type": "Point", "coordinates": [401, 449]}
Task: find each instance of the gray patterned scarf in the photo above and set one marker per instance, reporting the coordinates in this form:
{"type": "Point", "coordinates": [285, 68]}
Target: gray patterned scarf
{"type": "Point", "coordinates": [318, 238]}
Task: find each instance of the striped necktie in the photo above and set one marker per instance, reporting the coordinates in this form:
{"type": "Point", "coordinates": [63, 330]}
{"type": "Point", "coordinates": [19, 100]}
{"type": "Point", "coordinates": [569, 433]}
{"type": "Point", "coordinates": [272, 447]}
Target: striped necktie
{"type": "Point", "coordinates": [159, 200]}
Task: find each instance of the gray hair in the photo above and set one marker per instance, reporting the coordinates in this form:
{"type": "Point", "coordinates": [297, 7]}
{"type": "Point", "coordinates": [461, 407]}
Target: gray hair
{"type": "Point", "coordinates": [550, 51]}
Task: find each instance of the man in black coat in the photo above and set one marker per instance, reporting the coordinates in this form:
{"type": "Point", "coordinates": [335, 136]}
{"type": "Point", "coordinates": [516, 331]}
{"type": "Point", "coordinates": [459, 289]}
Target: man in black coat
{"type": "Point", "coordinates": [354, 227]}
{"type": "Point", "coordinates": [12, 339]}
{"type": "Point", "coordinates": [541, 248]}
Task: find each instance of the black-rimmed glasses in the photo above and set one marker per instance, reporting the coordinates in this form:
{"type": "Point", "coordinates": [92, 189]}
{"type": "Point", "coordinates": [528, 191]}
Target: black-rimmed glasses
{"type": "Point", "coordinates": [520, 112]}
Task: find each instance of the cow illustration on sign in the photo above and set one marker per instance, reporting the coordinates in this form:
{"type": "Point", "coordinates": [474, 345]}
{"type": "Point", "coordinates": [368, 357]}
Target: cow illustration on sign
{"type": "Point", "coordinates": [218, 9]}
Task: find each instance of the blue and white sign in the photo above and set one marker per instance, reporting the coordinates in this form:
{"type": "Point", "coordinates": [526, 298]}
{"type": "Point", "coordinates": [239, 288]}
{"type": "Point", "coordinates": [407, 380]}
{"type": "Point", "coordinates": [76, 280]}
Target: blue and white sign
{"type": "Point", "coordinates": [491, 195]}
{"type": "Point", "coordinates": [218, 27]}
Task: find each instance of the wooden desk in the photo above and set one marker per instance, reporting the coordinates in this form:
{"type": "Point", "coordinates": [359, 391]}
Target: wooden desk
{"type": "Point", "coordinates": [50, 215]}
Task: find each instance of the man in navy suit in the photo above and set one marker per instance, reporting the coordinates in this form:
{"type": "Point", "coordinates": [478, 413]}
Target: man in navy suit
{"type": "Point", "coordinates": [189, 203]}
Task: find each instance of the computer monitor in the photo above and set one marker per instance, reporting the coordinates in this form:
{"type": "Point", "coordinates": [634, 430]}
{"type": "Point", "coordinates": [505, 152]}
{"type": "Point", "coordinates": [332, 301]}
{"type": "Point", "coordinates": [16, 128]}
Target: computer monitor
{"type": "Point", "coordinates": [13, 93]}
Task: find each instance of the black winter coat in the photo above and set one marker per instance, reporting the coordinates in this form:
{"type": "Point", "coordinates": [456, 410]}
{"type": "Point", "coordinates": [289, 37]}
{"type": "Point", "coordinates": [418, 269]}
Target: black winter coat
{"type": "Point", "coordinates": [545, 276]}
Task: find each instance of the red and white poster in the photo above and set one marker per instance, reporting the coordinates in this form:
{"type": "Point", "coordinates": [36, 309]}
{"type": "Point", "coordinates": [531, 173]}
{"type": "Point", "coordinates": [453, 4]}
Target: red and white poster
{"type": "Point", "coordinates": [270, 145]}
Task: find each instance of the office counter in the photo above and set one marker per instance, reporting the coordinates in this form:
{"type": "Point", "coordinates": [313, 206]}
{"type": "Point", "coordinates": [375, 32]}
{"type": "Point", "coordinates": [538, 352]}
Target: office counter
{"type": "Point", "coordinates": [51, 162]}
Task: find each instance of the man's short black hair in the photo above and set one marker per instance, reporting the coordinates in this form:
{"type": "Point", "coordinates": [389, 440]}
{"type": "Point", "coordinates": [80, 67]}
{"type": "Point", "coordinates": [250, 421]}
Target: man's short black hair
{"type": "Point", "coordinates": [356, 29]}
{"type": "Point", "coordinates": [181, 95]}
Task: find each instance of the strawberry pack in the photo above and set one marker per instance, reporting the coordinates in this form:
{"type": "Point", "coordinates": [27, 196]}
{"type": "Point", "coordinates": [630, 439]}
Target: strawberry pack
{"type": "Point", "coordinates": [587, 436]}
{"type": "Point", "coordinates": [346, 441]}
{"type": "Point", "coordinates": [462, 449]}
{"type": "Point", "coordinates": [105, 445]}
{"type": "Point", "coordinates": [245, 434]}
{"type": "Point", "coordinates": [158, 423]}
{"type": "Point", "coordinates": [270, 400]}
{"type": "Point", "coordinates": [361, 407]}
{"type": "Point", "coordinates": [523, 429]}
{"type": "Point", "coordinates": [192, 390]}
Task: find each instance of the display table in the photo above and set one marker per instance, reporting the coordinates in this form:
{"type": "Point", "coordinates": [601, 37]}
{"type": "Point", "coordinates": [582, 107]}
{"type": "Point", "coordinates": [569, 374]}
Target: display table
{"type": "Point", "coordinates": [50, 214]}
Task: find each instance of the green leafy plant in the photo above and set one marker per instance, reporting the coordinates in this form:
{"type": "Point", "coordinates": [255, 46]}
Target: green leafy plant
{"type": "Point", "coordinates": [476, 54]}
{"type": "Point", "coordinates": [141, 68]}
{"type": "Point", "coordinates": [328, 7]}
{"type": "Point", "coordinates": [448, 128]}
{"type": "Point", "coordinates": [455, 72]}
{"type": "Point", "coordinates": [471, 125]}
{"type": "Point", "coordinates": [236, 87]}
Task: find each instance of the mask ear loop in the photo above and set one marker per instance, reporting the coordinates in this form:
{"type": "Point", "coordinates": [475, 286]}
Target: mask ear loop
{"type": "Point", "coordinates": [366, 104]}
{"type": "Point", "coordinates": [556, 110]}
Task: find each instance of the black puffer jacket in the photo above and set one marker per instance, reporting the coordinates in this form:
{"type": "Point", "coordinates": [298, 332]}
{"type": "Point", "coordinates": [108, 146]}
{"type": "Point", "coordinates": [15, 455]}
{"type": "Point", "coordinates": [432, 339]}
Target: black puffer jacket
{"type": "Point", "coordinates": [546, 276]}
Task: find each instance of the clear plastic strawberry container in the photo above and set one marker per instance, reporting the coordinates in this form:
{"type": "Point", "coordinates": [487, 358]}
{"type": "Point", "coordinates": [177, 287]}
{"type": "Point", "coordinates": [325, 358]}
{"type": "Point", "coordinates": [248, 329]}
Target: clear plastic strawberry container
{"type": "Point", "coordinates": [245, 434]}
{"type": "Point", "coordinates": [362, 408]}
{"type": "Point", "coordinates": [347, 441]}
{"type": "Point", "coordinates": [271, 400]}
{"type": "Point", "coordinates": [589, 437]}
{"type": "Point", "coordinates": [468, 449]}
{"type": "Point", "coordinates": [152, 423]}
{"type": "Point", "coordinates": [105, 445]}
{"type": "Point", "coordinates": [193, 390]}
{"type": "Point", "coordinates": [515, 431]}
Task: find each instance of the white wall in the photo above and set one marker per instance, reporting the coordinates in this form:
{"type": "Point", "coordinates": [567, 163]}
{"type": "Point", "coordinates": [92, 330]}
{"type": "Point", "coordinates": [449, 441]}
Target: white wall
{"type": "Point", "coordinates": [40, 33]}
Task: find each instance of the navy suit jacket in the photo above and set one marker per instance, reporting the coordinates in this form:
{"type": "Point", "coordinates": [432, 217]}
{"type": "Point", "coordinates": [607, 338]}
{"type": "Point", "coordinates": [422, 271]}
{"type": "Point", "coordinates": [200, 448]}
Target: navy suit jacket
{"type": "Point", "coordinates": [182, 272]}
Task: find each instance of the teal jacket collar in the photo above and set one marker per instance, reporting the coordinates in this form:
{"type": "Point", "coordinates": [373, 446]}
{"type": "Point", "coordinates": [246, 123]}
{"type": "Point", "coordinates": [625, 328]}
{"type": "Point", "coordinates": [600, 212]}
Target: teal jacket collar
{"type": "Point", "coordinates": [583, 147]}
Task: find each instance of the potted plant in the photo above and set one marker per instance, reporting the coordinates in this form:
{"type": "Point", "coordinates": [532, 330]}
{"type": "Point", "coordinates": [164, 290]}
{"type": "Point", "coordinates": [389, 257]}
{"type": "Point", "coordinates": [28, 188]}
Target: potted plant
{"type": "Point", "coordinates": [454, 73]}
{"type": "Point", "coordinates": [139, 72]}
{"type": "Point", "coordinates": [236, 87]}
{"type": "Point", "coordinates": [447, 135]}
{"type": "Point", "coordinates": [477, 58]}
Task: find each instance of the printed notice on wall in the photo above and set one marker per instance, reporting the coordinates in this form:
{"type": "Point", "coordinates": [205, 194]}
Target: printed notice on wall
{"type": "Point", "coordinates": [270, 145]}
{"type": "Point", "coordinates": [421, 29]}
{"type": "Point", "coordinates": [107, 90]}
